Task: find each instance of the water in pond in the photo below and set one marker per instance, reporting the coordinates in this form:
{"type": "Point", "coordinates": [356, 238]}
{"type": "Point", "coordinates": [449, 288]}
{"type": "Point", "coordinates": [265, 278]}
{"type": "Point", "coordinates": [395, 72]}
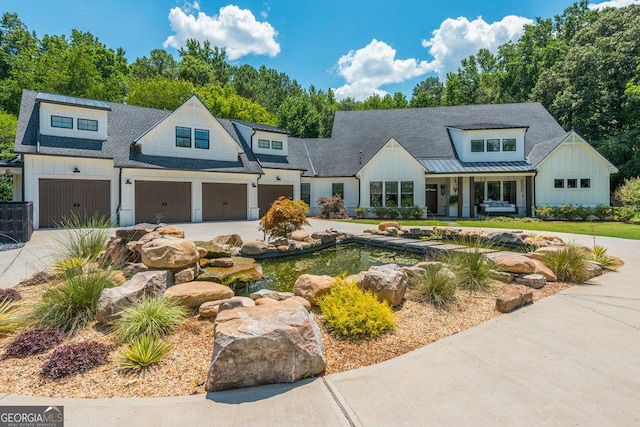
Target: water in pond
{"type": "Point", "coordinates": [281, 273]}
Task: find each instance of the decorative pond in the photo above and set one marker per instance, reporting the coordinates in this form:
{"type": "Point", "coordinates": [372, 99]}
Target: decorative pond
{"type": "Point", "coordinates": [281, 273]}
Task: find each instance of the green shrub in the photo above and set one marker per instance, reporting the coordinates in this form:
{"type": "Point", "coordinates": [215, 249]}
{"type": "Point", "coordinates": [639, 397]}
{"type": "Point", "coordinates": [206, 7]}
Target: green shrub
{"type": "Point", "coordinates": [154, 316]}
{"type": "Point", "coordinates": [72, 305]}
{"type": "Point", "coordinates": [436, 286]}
{"type": "Point", "coordinates": [472, 269]}
{"type": "Point", "coordinates": [583, 212]}
{"type": "Point", "coordinates": [568, 263]}
{"type": "Point", "coordinates": [350, 312]}
{"type": "Point", "coordinates": [602, 212]}
{"type": "Point", "coordinates": [627, 213]}
{"type": "Point", "coordinates": [362, 212]}
{"type": "Point", "coordinates": [566, 212]}
{"type": "Point", "coordinates": [417, 212]}
{"type": "Point", "coordinates": [405, 211]}
{"type": "Point", "coordinates": [84, 237]}
{"type": "Point", "coordinates": [8, 322]}
{"type": "Point", "coordinates": [381, 212]}
{"type": "Point", "coordinates": [143, 352]}
{"type": "Point", "coordinates": [332, 208]}
{"type": "Point", "coordinates": [544, 212]}
{"type": "Point", "coordinates": [393, 212]}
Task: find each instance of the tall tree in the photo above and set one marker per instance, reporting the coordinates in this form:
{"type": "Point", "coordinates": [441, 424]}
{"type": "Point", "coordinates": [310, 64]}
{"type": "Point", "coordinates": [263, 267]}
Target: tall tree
{"type": "Point", "coordinates": [428, 93]}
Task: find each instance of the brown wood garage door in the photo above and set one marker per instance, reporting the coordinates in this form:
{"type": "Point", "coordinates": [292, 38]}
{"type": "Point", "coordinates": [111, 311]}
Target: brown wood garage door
{"type": "Point", "coordinates": [224, 201]}
{"type": "Point", "coordinates": [267, 194]}
{"type": "Point", "coordinates": [163, 201]}
{"type": "Point", "coordinates": [62, 198]}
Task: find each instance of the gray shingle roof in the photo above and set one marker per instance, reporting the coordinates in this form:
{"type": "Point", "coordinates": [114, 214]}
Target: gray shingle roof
{"type": "Point", "coordinates": [543, 149]}
{"type": "Point", "coordinates": [126, 124]}
{"type": "Point", "coordinates": [358, 135]}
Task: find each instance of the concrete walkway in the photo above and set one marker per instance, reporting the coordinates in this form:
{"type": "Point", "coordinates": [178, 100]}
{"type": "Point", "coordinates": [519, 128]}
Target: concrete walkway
{"type": "Point", "coordinates": [570, 359]}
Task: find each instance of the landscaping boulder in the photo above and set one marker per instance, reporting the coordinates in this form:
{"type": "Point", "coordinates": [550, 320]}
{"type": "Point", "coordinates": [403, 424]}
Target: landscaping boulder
{"type": "Point", "coordinates": [233, 240]}
{"type": "Point", "coordinates": [253, 248]}
{"type": "Point", "coordinates": [213, 250]}
{"type": "Point", "coordinates": [515, 263]}
{"type": "Point", "coordinates": [502, 276]}
{"type": "Point", "coordinates": [268, 293]}
{"type": "Point", "coordinates": [136, 245]}
{"type": "Point", "coordinates": [212, 308]}
{"type": "Point", "coordinates": [383, 226]}
{"type": "Point", "coordinates": [544, 270]}
{"type": "Point", "coordinates": [246, 271]}
{"type": "Point", "coordinates": [145, 284]}
{"type": "Point", "coordinates": [171, 231]}
{"type": "Point", "coordinates": [506, 238]}
{"type": "Point", "coordinates": [391, 231]}
{"type": "Point", "coordinates": [132, 268]}
{"type": "Point", "coordinates": [311, 287]}
{"type": "Point", "coordinates": [593, 269]}
{"type": "Point", "coordinates": [169, 253]}
{"type": "Point", "coordinates": [265, 301]}
{"type": "Point", "coordinates": [221, 262]}
{"type": "Point", "coordinates": [306, 304]}
{"type": "Point", "coordinates": [388, 282]}
{"type": "Point", "coordinates": [535, 281]}
{"type": "Point", "coordinates": [188, 274]}
{"type": "Point", "coordinates": [116, 252]}
{"type": "Point", "coordinates": [299, 235]}
{"type": "Point", "coordinates": [135, 232]}
{"type": "Point", "coordinates": [268, 344]}
{"type": "Point", "coordinates": [325, 237]}
{"type": "Point", "coordinates": [194, 294]}
{"type": "Point", "coordinates": [511, 300]}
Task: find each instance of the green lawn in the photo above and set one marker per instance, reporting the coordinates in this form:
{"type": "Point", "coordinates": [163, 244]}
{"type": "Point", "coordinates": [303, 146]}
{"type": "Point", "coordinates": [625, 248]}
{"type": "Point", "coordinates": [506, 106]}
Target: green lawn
{"type": "Point", "coordinates": [608, 229]}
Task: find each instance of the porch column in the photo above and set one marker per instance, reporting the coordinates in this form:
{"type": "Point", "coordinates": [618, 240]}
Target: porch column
{"type": "Point", "coordinates": [460, 197]}
{"type": "Point", "coordinates": [472, 197]}
{"type": "Point", "coordinates": [529, 195]}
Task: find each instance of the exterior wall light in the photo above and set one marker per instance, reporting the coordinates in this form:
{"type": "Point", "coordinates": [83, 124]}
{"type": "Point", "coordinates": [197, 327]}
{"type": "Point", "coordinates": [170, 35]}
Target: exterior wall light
{"type": "Point", "coordinates": [76, 170]}
{"type": "Point", "coordinates": [442, 188]}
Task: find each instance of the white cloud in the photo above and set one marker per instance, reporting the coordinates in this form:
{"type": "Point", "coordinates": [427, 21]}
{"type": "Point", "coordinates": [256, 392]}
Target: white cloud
{"type": "Point", "coordinates": [372, 66]}
{"type": "Point", "coordinates": [234, 29]}
{"type": "Point", "coordinates": [613, 3]}
{"type": "Point", "coordinates": [459, 38]}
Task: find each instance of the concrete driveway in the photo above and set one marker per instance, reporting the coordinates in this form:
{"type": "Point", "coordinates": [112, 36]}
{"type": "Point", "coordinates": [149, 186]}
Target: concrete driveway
{"type": "Point", "coordinates": [570, 359]}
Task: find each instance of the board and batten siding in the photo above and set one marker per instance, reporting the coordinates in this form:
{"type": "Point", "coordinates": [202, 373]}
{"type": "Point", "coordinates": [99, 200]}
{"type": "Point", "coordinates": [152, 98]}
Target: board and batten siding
{"type": "Point", "coordinates": [323, 187]}
{"type": "Point", "coordinates": [161, 140]}
{"type": "Point", "coordinates": [127, 211]}
{"type": "Point", "coordinates": [573, 159]}
{"type": "Point", "coordinates": [47, 110]}
{"type": "Point", "coordinates": [392, 163]}
{"type": "Point", "coordinates": [53, 167]}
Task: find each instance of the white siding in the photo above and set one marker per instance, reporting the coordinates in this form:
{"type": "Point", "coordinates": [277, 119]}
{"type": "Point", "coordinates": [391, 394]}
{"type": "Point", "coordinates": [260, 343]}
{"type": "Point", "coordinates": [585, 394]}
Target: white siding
{"type": "Point", "coordinates": [161, 140]}
{"type": "Point", "coordinates": [322, 187]}
{"type": "Point", "coordinates": [47, 110]}
{"type": "Point", "coordinates": [573, 159]}
{"type": "Point", "coordinates": [393, 163]}
{"type": "Point", "coordinates": [465, 154]}
{"type": "Point", "coordinates": [127, 211]}
{"type": "Point", "coordinates": [51, 167]}
{"type": "Point", "coordinates": [270, 136]}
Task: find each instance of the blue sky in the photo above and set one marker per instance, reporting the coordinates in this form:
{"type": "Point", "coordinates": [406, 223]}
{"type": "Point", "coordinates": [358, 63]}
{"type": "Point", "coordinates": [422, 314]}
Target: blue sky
{"type": "Point", "coordinates": [356, 47]}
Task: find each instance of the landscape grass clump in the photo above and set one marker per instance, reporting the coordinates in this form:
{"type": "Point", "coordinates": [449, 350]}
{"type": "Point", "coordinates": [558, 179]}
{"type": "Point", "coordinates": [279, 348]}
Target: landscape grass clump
{"type": "Point", "coordinates": [84, 236]}
{"type": "Point", "coordinates": [154, 316]}
{"type": "Point", "coordinates": [436, 285]}
{"type": "Point", "coordinates": [9, 294]}
{"type": "Point", "coordinates": [33, 342]}
{"type": "Point", "coordinates": [76, 358]}
{"type": "Point", "coordinates": [8, 322]}
{"type": "Point", "coordinates": [568, 263]}
{"type": "Point", "coordinates": [472, 269]}
{"type": "Point", "coordinates": [599, 254]}
{"type": "Point", "coordinates": [353, 313]}
{"type": "Point", "coordinates": [143, 352]}
{"type": "Point", "coordinates": [72, 305]}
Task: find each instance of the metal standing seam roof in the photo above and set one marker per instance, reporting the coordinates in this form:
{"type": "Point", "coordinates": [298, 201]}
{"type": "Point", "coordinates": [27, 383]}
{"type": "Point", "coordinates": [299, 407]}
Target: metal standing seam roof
{"type": "Point", "coordinates": [72, 100]}
{"type": "Point", "coordinates": [443, 166]}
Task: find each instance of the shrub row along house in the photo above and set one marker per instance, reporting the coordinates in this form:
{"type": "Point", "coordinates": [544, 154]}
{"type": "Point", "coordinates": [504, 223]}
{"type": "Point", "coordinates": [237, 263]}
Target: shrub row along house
{"type": "Point", "coordinates": [139, 164]}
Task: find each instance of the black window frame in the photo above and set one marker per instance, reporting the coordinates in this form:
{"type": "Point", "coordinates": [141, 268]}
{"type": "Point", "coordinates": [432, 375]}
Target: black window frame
{"type": "Point", "coordinates": [558, 183]}
{"type": "Point", "coordinates": [494, 192]}
{"type": "Point", "coordinates": [305, 192]}
{"type": "Point", "coordinates": [65, 118]}
{"type": "Point", "coordinates": [476, 141]}
{"type": "Point", "coordinates": [377, 200]}
{"type": "Point", "coordinates": [572, 183]}
{"type": "Point", "coordinates": [391, 194]}
{"type": "Point", "coordinates": [510, 191]}
{"type": "Point", "coordinates": [493, 145]}
{"type": "Point", "coordinates": [277, 145]}
{"type": "Point", "coordinates": [405, 194]}
{"type": "Point", "coordinates": [183, 137]}
{"type": "Point", "coordinates": [196, 139]}
{"type": "Point", "coordinates": [585, 181]}
{"type": "Point", "coordinates": [261, 143]}
{"type": "Point", "coordinates": [86, 123]}
{"type": "Point", "coordinates": [510, 141]}
{"type": "Point", "coordinates": [337, 188]}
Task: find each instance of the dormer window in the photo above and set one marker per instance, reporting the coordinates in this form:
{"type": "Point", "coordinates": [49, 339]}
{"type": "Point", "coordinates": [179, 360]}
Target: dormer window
{"type": "Point", "coordinates": [493, 145]}
{"type": "Point", "coordinates": [263, 143]}
{"type": "Point", "coordinates": [202, 138]}
{"type": "Point", "coordinates": [276, 145]}
{"type": "Point", "coordinates": [87, 124]}
{"type": "Point", "coordinates": [509, 144]}
{"type": "Point", "coordinates": [61, 122]}
{"type": "Point", "coordinates": [477, 145]}
{"type": "Point", "coordinates": [183, 137]}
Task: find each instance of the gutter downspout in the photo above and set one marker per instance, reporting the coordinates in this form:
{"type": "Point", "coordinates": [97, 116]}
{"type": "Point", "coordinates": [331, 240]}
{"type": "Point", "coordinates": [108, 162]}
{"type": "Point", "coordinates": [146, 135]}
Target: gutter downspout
{"type": "Point", "coordinates": [359, 191]}
{"type": "Point", "coordinates": [22, 177]}
{"type": "Point", "coordinates": [38, 130]}
{"type": "Point", "coordinates": [119, 197]}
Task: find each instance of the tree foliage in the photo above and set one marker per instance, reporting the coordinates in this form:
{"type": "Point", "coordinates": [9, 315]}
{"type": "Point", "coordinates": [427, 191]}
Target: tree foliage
{"type": "Point", "coordinates": [284, 216]}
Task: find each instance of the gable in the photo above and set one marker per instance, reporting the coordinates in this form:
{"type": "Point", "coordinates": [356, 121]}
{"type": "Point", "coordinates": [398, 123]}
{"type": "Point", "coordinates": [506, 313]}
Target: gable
{"type": "Point", "coordinates": [176, 134]}
{"type": "Point", "coordinates": [573, 152]}
{"type": "Point", "coordinates": [392, 158]}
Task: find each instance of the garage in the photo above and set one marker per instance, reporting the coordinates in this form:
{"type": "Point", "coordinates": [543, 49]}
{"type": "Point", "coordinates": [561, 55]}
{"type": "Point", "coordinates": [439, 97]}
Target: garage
{"type": "Point", "coordinates": [267, 194]}
{"type": "Point", "coordinates": [163, 201]}
{"type": "Point", "coordinates": [64, 198]}
{"type": "Point", "coordinates": [224, 201]}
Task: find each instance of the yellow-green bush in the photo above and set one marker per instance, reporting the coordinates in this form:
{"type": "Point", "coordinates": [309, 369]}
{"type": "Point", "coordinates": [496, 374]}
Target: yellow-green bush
{"type": "Point", "coordinates": [350, 312]}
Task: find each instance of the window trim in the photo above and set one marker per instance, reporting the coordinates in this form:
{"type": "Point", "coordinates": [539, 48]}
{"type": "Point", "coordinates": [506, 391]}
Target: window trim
{"type": "Point", "coordinates": [557, 181]}
{"type": "Point", "coordinates": [380, 194]}
{"type": "Point", "coordinates": [575, 180]}
{"type": "Point", "coordinates": [183, 137]}
{"type": "Point", "coordinates": [61, 119]}
{"type": "Point", "coordinates": [87, 121]}
{"type": "Point", "coordinates": [493, 143]}
{"type": "Point", "coordinates": [305, 196]}
{"type": "Point", "coordinates": [196, 139]}
{"type": "Point", "coordinates": [264, 143]}
{"type": "Point", "coordinates": [515, 144]}
{"type": "Point", "coordinates": [403, 194]}
{"type": "Point", "coordinates": [277, 145]}
{"type": "Point", "coordinates": [583, 181]}
{"type": "Point", "coordinates": [477, 141]}
{"type": "Point", "coordinates": [333, 189]}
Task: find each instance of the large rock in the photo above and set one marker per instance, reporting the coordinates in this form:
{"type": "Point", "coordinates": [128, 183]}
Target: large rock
{"type": "Point", "coordinates": [213, 250]}
{"type": "Point", "coordinates": [194, 294]}
{"type": "Point", "coordinates": [268, 293]}
{"type": "Point", "coordinates": [541, 268]}
{"type": "Point", "coordinates": [221, 262]}
{"type": "Point", "coordinates": [383, 226]}
{"type": "Point", "coordinates": [311, 287]}
{"type": "Point", "coordinates": [169, 253]}
{"type": "Point", "coordinates": [502, 276]}
{"type": "Point", "coordinates": [511, 300]}
{"type": "Point", "coordinates": [388, 282]}
{"type": "Point", "coordinates": [116, 253]}
{"type": "Point", "coordinates": [135, 232]}
{"type": "Point", "coordinates": [299, 235]}
{"type": "Point", "coordinates": [535, 281]}
{"type": "Point", "coordinates": [593, 269]}
{"type": "Point", "coordinates": [244, 270]}
{"type": "Point", "coordinates": [212, 308]}
{"type": "Point", "coordinates": [171, 231]}
{"type": "Point", "coordinates": [145, 284]}
{"type": "Point", "coordinates": [515, 263]}
{"type": "Point", "coordinates": [132, 268]}
{"type": "Point", "coordinates": [325, 237]}
{"type": "Point", "coordinates": [233, 240]}
{"type": "Point", "coordinates": [188, 274]}
{"type": "Point", "coordinates": [268, 344]}
{"type": "Point", "coordinates": [507, 238]}
{"type": "Point", "coordinates": [253, 248]}
{"type": "Point", "coordinates": [136, 245]}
